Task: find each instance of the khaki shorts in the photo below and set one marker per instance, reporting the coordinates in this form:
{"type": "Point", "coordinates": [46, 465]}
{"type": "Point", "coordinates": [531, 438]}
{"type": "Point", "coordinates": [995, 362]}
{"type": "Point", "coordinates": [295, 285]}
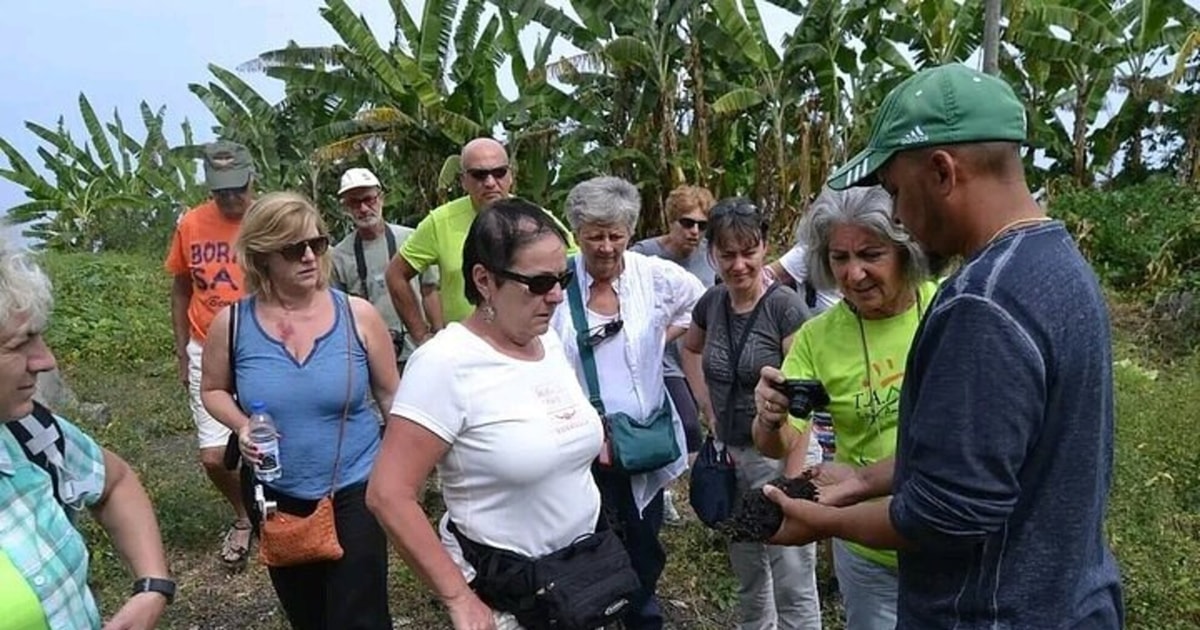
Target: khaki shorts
{"type": "Point", "coordinates": [209, 432]}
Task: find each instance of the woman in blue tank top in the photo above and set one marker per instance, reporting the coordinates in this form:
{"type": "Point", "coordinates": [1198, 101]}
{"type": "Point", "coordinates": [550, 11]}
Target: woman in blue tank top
{"type": "Point", "coordinates": [311, 355]}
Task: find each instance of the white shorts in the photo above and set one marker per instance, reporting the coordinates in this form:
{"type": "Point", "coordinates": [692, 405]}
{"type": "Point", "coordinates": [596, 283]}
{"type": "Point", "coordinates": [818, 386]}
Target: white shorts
{"type": "Point", "coordinates": [209, 432]}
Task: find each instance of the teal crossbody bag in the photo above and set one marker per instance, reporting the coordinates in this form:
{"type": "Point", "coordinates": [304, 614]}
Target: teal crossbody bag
{"type": "Point", "coordinates": [631, 445]}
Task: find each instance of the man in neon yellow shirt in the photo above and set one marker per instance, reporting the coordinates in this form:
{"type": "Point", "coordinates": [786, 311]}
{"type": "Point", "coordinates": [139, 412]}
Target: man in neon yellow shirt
{"type": "Point", "coordinates": [486, 176]}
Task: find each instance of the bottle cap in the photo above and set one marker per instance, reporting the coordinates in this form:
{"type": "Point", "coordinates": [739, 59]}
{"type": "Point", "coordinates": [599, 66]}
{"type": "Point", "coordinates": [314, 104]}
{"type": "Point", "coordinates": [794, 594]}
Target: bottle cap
{"type": "Point", "coordinates": [258, 406]}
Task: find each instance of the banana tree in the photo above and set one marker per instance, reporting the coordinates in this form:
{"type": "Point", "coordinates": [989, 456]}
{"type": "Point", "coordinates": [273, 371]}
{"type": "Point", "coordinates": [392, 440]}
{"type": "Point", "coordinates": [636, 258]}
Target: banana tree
{"type": "Point", "coordinates": [111, 192]}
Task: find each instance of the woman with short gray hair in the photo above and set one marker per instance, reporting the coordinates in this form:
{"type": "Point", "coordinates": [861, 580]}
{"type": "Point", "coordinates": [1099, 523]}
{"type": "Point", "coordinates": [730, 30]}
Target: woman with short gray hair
{"type": "Point", "coordinates": [623, 310]}
{"type": "Point", "coordinates": [857, 351]}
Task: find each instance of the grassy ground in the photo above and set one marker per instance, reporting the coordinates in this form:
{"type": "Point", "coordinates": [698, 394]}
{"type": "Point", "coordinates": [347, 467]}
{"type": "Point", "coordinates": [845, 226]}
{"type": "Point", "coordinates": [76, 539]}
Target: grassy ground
{"type": "Point", "coordinates": [112, 336]}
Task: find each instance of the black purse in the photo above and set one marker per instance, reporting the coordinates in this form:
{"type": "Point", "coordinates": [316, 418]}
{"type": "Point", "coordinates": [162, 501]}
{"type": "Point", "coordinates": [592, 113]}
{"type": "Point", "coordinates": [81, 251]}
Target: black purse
{"type": "Point", "coordinates": [713, 489]}
{"type": "Point", "coordinates": [582, 586]}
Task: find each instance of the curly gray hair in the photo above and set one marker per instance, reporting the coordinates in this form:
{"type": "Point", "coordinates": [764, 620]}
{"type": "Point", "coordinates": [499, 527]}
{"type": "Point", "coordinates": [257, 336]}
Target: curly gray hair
{"type": "Point", "coordinates": [604, 201]}
{"type": "Point", "coordinates": [869, 207]}
{"type": "Point", "coordinates": [24, 288]}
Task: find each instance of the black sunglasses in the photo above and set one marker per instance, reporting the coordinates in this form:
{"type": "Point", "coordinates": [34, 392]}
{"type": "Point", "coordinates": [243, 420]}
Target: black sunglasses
{"type": "Point", "coordinates": [481, 174]}
{"type": "Point", "coordinates": [689, 223]}
{"type": "Point", "coordinates": [739, 209]}
{"type": "Point", "coordinates": [596, 334]}
{"type": "Point", "coordinates": [295, 251]}
{"type": "Point", "coordinates": [540, 284]}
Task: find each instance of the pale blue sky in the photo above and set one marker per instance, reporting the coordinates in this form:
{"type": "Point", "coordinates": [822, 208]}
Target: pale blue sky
{"type": "Point", "coordinates": [120, 52]}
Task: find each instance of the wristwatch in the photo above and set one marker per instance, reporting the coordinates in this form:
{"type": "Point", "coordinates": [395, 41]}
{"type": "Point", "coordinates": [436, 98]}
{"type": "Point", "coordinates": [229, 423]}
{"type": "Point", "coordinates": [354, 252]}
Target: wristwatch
{"type": "Point", "coordinates": [155, 585]}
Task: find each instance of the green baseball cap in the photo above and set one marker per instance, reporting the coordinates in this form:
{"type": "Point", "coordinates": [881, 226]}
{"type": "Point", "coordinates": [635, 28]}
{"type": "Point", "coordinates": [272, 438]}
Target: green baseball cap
{"type": "Point", "coordinates": [948, 104]}
{"type": "Point", "coordinates": [227, 165]}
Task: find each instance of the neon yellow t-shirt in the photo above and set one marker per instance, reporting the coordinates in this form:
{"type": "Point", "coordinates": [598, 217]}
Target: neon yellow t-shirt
{"type": "Point", "coordinates": [439, 240]}
{"type": "Point", "coordinates": [865, 408]}
{"type": "Point", "coordinates": [19, 605]}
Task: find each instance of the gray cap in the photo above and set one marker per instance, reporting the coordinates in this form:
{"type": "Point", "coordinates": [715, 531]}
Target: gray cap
{"type": "Point", "coordinates": [227, 165]}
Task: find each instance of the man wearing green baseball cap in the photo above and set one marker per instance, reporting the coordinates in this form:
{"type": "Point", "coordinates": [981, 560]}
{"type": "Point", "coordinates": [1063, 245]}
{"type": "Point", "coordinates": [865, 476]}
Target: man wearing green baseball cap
{"type": "Point", "coordinates": [1003, 463]}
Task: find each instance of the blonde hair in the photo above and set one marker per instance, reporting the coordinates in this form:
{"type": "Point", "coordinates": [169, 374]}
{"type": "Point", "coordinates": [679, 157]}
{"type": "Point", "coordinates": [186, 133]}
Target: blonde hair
{"type": "Point", "coordinates": [274, 221]}
{"type": "Point", "coordinates": [684, 199]}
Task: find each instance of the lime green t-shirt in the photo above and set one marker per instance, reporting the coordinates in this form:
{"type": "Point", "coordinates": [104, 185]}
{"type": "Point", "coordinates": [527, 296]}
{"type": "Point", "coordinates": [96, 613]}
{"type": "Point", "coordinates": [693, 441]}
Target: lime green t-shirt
{"type": "Point", "coordinates": [19, 605]}
{"type": "Point", "coordinates": [439, 240]}
{"type": "Point", "coordinates": [864, 401]}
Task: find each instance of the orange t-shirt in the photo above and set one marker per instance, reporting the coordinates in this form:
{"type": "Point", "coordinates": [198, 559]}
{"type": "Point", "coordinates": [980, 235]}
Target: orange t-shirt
{"type": "Point", "coordinates": [203, 248]}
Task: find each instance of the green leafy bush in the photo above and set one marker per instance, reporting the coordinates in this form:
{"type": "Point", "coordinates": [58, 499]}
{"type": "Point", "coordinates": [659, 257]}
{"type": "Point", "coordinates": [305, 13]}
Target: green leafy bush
{"type": "Point", "coordinates": [111, 309]}
{"type": "Point", "coordinates": [1141, 237]}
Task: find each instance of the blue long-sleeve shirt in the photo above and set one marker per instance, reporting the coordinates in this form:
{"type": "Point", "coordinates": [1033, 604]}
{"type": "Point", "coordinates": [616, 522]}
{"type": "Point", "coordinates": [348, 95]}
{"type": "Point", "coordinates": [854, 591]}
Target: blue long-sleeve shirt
{"type": "Point", "coordinates": [1004, 453]}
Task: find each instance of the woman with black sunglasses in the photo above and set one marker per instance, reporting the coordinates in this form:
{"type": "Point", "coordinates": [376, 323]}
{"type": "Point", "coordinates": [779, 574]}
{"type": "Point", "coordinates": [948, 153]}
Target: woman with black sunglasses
{"type": "Point", "coordinates": [492, 402]}
{"type": "Point", "coordinates": [319, 360]}
{"type": "Point", "coordinates": [626, 309]}
{"type": "Point", "coordinates": [739, 326]}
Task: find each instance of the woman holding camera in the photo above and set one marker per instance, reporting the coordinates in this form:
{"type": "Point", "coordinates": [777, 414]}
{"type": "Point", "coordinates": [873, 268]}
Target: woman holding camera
{"type": "Point", "coordinates": [740, 326]}
{"type": "Point", "coordinates": [857, 350]}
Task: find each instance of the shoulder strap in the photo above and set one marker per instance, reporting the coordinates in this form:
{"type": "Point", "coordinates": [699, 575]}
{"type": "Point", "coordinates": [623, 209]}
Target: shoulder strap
{"type": "Point", "coordinates": [350, 333]}
{"type": "Point", "coordinates": [360, 258]}
{"type": "Point", "coordinates": [44, 444]}
{"type": "Point", "coordinates": [735, 351]}
{"type": "Point", "coordinates": [233, 331]}
{"type": "Point", "coordinates": [810, 295]}
{"type": "Point", "coordinates": [586, 356]}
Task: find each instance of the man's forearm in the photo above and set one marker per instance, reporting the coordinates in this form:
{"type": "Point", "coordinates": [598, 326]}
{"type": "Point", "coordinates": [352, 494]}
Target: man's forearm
{"type": "Point", "coordinates": [868, 523]}
{"type": "Point", "coordinates": [431, 301]}
{"type": "Point", "coordinates": [404, 299]}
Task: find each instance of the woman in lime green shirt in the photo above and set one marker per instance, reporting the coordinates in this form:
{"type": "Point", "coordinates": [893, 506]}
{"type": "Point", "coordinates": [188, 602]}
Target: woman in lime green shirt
{"type": "Point", "coordinates": [857, 350]}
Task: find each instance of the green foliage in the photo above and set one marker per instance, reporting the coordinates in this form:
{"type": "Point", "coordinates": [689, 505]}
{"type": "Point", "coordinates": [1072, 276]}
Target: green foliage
{"type": "Point", "coordinates": [1144, 237]}
{"type": "Point", "coordinates": [1154, 514]}
{"type": "Point", "coordinates": [111, 310]}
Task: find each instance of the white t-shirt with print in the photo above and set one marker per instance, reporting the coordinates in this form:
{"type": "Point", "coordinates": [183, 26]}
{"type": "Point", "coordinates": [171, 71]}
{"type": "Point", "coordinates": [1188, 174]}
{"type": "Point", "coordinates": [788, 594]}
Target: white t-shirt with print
{"type": "Point", "coordinates": [522, 439]}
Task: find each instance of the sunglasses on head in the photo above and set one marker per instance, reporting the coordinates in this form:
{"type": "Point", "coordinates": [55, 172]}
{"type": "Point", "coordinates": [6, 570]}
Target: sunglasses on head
{"type": "Point", "coordinates": [540, 284]}
{"type": "Point", "coordinates": [597, 334]}
{"type": "Point", "coordinates": [688, 223]}
{"type": "Point", "coordinates": [481, 174]}
{"type": "Point", "coordinates": [741, 209]}
{"type": "Point", "coordinates": [295, 251]}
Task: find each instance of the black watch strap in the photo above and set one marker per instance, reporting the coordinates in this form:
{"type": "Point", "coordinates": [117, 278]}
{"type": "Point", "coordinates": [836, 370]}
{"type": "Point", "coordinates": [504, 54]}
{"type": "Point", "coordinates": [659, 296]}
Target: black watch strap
{"type": "Point", "coordinates": [155, 585]}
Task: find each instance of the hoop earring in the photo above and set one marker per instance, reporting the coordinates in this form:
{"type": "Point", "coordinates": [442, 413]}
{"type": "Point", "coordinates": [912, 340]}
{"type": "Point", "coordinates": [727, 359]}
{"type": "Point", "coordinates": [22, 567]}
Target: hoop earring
{"type": "Point", "coordinates": [489, 313]}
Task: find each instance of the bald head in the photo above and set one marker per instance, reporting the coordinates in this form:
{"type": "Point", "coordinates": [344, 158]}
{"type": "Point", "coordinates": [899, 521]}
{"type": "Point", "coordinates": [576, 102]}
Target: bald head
{"type": "Point", "coordinates": [480, 148]}
{"type": "Point", "coordinates": [486, 175]}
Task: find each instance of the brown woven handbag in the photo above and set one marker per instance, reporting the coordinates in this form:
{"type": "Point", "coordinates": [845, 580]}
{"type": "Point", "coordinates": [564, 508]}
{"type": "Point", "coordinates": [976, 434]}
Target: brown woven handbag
{"type": "Point", "coordinates": [287, 540]}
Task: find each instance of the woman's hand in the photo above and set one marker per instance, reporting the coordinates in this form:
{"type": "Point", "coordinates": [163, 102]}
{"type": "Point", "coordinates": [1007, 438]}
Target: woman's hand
{"type": "Point", "coordinates": [249, 450]}
{"type": "Point", "coordinates": [770, 403]}
{"type": "Point", "coordinates": [468, 612]}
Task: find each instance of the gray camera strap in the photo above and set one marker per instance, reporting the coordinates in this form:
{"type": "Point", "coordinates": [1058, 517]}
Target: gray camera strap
{"type": "Point", "coordinates": [360, 257]}
{"type": "Point", "coordinates": [735, 351]}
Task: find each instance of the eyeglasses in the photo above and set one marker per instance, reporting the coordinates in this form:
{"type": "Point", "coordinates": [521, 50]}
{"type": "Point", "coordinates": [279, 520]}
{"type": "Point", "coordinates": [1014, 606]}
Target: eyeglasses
{"type": "Point", "coordinates": [597, 334]}
{"type": "Point", "coordinates": [355, 202]}
{"type": "Point", "coordinates": [481, 174]}
{"type": "Point", "coordinates": [295, 251]}
{"type": "Point", "coordinates": [540, 284]}
{"type": "Point", "coordinates": [689, 223]}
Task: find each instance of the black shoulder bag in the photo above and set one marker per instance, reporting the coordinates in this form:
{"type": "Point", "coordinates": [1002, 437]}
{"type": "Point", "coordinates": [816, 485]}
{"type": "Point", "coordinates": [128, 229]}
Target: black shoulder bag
{"type": "Point", "coordinates": [713, 487]}
{"type": "Point", "coordinates": [582, 586]}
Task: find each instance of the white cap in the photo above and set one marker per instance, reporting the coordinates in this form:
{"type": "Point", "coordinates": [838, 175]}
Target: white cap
{"type": "Point", "coordinates": [358, 178]}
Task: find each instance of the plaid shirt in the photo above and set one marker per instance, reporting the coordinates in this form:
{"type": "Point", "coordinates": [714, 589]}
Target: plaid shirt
{"type": "Point", "coordinates": [36, 533]}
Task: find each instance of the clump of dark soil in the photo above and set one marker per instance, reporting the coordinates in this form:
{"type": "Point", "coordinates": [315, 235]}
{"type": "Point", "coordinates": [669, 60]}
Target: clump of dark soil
{"type": "Point", "coordinates": [758, 518]}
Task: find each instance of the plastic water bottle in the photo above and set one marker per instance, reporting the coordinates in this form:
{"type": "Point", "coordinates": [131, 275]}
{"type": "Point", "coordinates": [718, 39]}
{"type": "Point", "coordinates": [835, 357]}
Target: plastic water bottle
{"type": "Point", "coordinates": [822, 424]}
{"type": "Point", "coordinates": [266, 438]}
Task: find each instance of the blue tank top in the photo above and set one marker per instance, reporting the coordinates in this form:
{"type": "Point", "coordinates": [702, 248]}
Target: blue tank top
{"type": "Point", "coordinates": [306, 400]}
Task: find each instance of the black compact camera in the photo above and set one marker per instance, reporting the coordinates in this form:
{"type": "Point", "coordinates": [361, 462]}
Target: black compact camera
{"type": "Point", "coordinates": [804, 396]}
